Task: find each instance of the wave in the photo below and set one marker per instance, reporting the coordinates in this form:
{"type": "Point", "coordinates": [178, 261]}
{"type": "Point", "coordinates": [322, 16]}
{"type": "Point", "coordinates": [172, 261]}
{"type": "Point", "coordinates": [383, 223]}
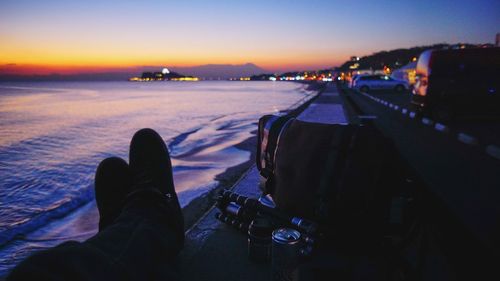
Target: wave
{"type": "Point", "coordinates": [181, 137]}
{"type": "Point", "coordinates": [46, 216]}
{"type": "Point", "coordinates": [178, 148]}
{"type": "Point", "coordinates": [194, 140]}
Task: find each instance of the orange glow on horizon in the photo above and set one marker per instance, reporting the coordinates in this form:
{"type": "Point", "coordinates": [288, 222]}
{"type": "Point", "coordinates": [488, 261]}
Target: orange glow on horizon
{"type": "Point", "coordinates": [81, 67]}
{"type": "Point", "coordinates": [25, 58]}
{"type": "Point", "coordinates": [33, 69]}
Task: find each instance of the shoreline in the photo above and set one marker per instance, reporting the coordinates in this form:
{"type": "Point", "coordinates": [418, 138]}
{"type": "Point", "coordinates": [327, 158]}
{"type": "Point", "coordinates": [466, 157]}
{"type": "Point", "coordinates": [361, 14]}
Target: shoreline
{"type": "Point", "coordinates": [197, 207]}
{"type": "Point", "coordinates": [81, 217]}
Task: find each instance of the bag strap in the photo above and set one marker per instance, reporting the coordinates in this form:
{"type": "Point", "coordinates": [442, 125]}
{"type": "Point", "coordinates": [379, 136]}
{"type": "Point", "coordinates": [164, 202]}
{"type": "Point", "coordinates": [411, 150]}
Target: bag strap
{"type": "Point", "coordinates": [272, 131]}
{"type": "Point", "coordinates": [269, 184]}
{"type": "Point", "coordinates": [264, 143]}
{"type": "Point", "coordinates": [335, 164]}
{"type": "Point", "coordinates": [282, 131]}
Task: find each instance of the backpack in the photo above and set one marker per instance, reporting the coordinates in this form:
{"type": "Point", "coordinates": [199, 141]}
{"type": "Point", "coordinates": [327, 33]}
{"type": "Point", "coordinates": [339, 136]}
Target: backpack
{"type": "Point", "coordinates": [341, 176]}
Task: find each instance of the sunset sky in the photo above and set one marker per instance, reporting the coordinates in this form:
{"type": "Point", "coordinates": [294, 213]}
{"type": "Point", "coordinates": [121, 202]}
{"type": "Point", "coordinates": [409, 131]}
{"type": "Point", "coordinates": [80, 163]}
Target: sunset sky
{"type": "Point", "coordinates": [96, 35]}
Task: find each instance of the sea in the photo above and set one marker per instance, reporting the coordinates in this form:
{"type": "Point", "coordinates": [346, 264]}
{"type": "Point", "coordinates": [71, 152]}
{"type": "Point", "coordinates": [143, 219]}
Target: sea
{"type": "Point", "coordinates": [54, 134]}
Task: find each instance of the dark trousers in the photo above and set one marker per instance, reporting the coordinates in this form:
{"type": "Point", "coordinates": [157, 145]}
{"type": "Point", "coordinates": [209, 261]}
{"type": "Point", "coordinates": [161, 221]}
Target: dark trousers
{"type": "Point", "coordinates": [137, 246]}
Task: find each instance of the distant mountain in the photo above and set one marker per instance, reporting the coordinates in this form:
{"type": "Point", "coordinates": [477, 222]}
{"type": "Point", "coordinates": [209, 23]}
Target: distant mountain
{"type": "Point", "coordinates": [220, 71]}
{"type": "Point", "coordinates": [209, 71]}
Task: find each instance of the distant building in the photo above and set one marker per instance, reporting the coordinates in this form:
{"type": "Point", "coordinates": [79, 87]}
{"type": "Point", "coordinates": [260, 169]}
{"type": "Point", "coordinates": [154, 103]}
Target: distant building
{"type": "Point", "coordinates": [164, 75]}
{"type": "Point", "coordinates": [497, 41]}
{"type": "Point", "coordinates": [147, 76]}
{"type": "Point", "coordinates": [158, 75]}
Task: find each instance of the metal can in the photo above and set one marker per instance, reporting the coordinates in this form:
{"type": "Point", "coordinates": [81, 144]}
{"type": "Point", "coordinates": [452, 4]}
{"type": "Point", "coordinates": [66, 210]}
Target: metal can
{"type": "Point", "coordinates": [285, 253]}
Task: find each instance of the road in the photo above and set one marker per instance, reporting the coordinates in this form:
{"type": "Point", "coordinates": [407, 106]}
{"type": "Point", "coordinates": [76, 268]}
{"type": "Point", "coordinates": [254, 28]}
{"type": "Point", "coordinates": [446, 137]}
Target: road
{"type": "Point", "coordinates": [485, 132]}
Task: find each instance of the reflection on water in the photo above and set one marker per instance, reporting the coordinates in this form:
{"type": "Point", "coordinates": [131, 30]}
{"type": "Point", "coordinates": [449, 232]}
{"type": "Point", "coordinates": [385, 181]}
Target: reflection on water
{"type": "Point", "coordinates": [53, 136]}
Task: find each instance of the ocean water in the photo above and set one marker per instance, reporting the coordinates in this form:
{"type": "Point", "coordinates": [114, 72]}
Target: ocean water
{"type": "Point", "coordinates": [54, 134]}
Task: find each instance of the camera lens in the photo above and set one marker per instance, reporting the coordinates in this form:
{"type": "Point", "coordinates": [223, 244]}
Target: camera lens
{"type": "Point", "coordinates": [259, 240]}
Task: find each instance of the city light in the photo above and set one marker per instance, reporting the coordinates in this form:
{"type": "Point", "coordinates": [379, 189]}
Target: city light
{"type": "Point", "coordinates": [185, 79]}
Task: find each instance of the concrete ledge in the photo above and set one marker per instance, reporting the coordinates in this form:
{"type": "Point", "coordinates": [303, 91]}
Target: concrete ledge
{"type": "Point", "coordinates": [215, 251]}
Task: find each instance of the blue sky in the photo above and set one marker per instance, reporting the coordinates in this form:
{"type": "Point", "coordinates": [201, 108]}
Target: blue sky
{"type": "Point", "coordinates": [274, 34]}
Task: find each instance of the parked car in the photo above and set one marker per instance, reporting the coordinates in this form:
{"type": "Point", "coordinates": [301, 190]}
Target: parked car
{"type": "Point", "coordinates": [380, 82]}
{"type": "Point", "coordinates": [451, 84]}
{"type": "Point", "coordinates": [354, 79]}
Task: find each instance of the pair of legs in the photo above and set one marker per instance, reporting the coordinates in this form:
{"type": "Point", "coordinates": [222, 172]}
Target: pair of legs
{"type": "Point", "coordinates": [141, 228]}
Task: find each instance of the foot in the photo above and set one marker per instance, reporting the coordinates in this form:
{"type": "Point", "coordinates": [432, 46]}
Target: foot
{"type": "Point", "coordinates": [152, 173]}
{"type": "Point", "coordinates": [112, 184]}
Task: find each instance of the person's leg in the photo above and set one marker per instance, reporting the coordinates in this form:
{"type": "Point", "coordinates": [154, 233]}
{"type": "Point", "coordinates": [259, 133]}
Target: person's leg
{"type": "Point", "coordinates": [113, 182]}
{"type": "Point", "coordinates": [152, 214]}
{"type": "Point", "coordinates": [151, 169]}
{"type": "Point", "coordinates": [78, 261]}
{"type": "Point", "coordinates": [140, 243]}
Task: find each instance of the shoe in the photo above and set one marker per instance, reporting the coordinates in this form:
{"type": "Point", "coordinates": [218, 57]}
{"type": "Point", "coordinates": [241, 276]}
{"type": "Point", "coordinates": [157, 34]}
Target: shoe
{"type": "Point", "coordinates": [152, 172]}
{"type": "Point", "coordinates": [112, 185]}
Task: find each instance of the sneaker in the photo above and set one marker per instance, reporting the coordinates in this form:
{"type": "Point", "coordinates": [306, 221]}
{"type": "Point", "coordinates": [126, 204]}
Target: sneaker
{"type": "Point", "coordinates": [152, 172]}
{"type": "Point", "coordinates": [112, 185]}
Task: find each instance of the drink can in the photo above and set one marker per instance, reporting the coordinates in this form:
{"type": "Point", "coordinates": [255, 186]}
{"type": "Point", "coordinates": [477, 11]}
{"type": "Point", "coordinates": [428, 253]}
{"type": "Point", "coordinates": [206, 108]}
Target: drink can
{"type": "Point", "coordinates": [285, 253]}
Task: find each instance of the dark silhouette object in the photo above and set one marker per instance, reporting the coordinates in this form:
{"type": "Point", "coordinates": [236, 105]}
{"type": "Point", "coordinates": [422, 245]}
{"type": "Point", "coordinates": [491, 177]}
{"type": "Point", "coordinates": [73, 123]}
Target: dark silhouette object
{"type": "Point", "coordinates": [147, 75]}
{"type": "Point", "coordinates": [158, 76]}
{"type": "Point", "coordinates": [261, 77]}
{"type": "Point", "coordinates": [141, 227]}
{"type": "Point", "coordinates": [393, 58]}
